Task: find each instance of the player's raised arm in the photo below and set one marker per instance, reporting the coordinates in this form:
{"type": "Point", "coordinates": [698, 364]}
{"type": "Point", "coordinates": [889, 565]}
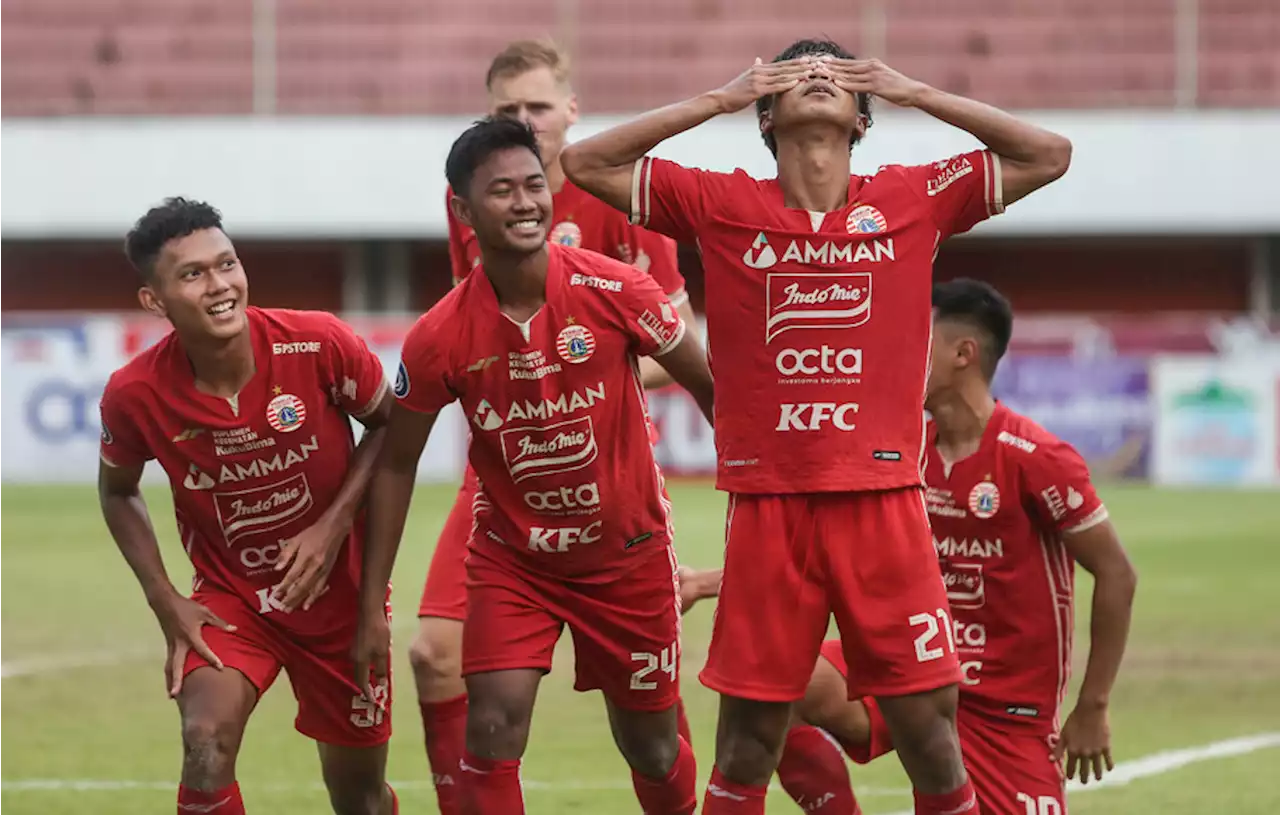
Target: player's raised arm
{"type": "Point", "coordinates": [1086, 734]}
{"type": "Point", "coordinates": [687, 364]}
{"type": "Point", "coordinates": [1031, 156]}
{"type": "Point", "coordinates": [604, 164]}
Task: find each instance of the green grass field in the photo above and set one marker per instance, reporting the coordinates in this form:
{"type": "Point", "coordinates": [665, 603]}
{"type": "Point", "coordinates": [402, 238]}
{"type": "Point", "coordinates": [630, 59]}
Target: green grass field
{"type": "Point", "coordinates": [88, 728]}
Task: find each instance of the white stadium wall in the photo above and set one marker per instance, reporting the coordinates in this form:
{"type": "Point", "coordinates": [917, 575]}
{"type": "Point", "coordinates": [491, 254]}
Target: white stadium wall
{"type": "Point", "coordinates": [1193, 172]}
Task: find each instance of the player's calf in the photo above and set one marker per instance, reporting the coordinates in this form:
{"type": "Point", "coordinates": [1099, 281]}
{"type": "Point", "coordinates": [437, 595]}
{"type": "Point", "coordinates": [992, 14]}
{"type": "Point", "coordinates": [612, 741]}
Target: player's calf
{"type": "Point", "coordinates": [750, 739]}
{"type": "Point", "coordinates": [923, 728]}
{"type": "Point", "coordinates": [663, 771]}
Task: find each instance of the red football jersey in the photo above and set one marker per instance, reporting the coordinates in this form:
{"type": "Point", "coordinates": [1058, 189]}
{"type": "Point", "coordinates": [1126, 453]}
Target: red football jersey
{"type": "Point", "coordinates": [585, 222]}
{"type": "Point", "coordinates": [249, 473]}
{"type": "Point", "coordinates": [998, 517]}
{"type": "Point", "coordinates": [818, 324]}
{"type": "Point", "coordinates": [559, 429]}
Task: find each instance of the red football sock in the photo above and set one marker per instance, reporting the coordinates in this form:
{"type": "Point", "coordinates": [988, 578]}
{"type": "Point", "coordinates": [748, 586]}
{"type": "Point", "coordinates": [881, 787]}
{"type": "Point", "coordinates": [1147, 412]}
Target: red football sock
{"type": "Point", "coordinates": [677, 793]}
{"type": "Point", "coordinates": [958, 802]}
{"type": "Point", "coordinates": [445, 727]}
{"type": "Point", "coordinates": [682, 723]}
{"type": "Point", "coordinates": [490, 786]}
{"type": "Point", "coordinates": [725, 797]}
{"type": "Point", "coordinates": [226, 801]}
{"type": "Point", "coordinates": [812, 772]}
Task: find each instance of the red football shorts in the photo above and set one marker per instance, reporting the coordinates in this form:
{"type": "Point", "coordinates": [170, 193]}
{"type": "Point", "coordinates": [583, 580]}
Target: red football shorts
{"type": "Point", "coordinates": [791, 561]}
{"type": "Point", "coordinates": [626, 630]}
{"type": "Point", "coordinates": [331, 709]}
{"type": "Point", "coordinates": [1012, 768]}
{"type": "Point", "coordinates": [445, 593]}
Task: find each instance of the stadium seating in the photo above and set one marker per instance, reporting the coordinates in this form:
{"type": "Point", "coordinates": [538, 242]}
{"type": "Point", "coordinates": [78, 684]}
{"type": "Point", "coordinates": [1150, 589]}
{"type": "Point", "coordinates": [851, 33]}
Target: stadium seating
{"type": "Point", "coordinates": [122, 57]}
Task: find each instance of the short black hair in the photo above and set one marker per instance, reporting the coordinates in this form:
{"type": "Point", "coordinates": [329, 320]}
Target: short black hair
{"type": "Point", "coordinates": [801, 48]}
{"type": "Point", "coordinates": [484, 138]}
{"type": "Point", "coordinates": [175, 218]}
{"type": "Point", "coordinates": [982, 307]}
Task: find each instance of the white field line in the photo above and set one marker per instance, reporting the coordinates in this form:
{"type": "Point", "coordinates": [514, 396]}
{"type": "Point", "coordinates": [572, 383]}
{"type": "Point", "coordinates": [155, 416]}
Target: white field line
{"type": "Point", "coordinates": [1126, 772]}
{"type": "Point", "coordinates": [1167, 761]}
{"type": "Point", "coordinates": [55, 663]}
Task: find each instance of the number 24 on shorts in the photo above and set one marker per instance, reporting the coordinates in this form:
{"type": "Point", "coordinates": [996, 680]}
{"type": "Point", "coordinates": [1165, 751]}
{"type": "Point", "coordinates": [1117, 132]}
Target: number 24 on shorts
{"type": "Point", "coordinates": [668, 660]}
{"type": "Point", "coordinates": [933, 625]}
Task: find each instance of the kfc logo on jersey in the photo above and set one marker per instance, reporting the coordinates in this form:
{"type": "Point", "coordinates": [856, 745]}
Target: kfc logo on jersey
{"type": "Point", "coordinates": [566, 233]}
{"type": "Point", "coordinates": [485, 417]}
{"type": "Point", "coordinates": [816, 301]}
{"type": "Point", "coordinates": [583, 499]}
{"type": "Point", "coordinates": [542, 539]}
{"type": "Point", "coordinates": [261, 509]}
{"type": "Point", "coordinates": [984, 500]}
{"type": "Point", "coordinates": [816, 416]}
{"type": "Point", "coordinates": [825, 365]}
{"type": "Point", "coordinates": [575, 344]}
{"type": "Point", "coordinates": [602, 283]}
{"type": "Point", "coordinates": [530, 365]}
{"type": "Point", "coordinates": [965, 588]}
{"type": "Point", "coordinates": [286, 413]}
{"type": "Point", "coordinates": [760, 255]}
{"type": "Point", "coordinates": [531, 452]}
{"type": "Point", "coordinates": [865, 220]}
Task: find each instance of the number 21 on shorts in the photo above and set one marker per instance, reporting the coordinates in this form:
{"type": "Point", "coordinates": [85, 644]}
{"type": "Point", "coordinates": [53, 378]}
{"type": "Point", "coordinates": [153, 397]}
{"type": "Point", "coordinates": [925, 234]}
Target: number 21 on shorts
{"type": "Point", "coordinates": [934, 624]}
{"type": "Point", "coordinates": [668, 660]}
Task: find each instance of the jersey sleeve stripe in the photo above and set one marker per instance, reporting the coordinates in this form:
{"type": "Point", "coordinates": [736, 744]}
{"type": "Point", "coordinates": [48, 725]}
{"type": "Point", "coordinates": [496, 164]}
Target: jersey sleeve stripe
{"type": "Point", "coordinates": [995, 183]}
{"type": "Point", "coordinates": [639, 186]}
{"type": "Point", "coordinates": [1091, 520]}
{"type": "Point", "coordinates": [678, 298]}
{"type": "Point", "coordinates": [373, 403]}
{"type": "Point", "coordinates": [107, 461]}
{"type": "Point", "coordinates": [667, 348]}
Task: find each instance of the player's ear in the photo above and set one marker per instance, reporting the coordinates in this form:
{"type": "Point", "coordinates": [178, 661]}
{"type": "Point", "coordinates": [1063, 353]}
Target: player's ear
{"type": "Point", "coordinates": [573, 109]}
{"type": "Point", "coordinates": [150, 301]}
{"type": "Point", "coordinates": [766, 120]}
{"type": "Point", "coordinates": [461, 210]}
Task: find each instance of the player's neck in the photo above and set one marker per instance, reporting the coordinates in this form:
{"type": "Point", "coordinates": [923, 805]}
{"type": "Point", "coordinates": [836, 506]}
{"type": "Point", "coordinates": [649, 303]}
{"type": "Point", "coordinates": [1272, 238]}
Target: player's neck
{"type": "Point", "coordinates": [519, 281]}
{"type": "Point", "coordinates": [222, 367]}
{"type": "Point", "coordinates": [961, 417]}
{"type": "Point", "coordinates": [813, 170]}
{"type": "Point", "coordinates": [555, 175]}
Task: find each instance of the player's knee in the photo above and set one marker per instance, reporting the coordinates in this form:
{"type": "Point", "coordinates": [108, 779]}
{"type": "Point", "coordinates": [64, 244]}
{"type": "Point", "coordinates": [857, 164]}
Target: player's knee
{"type": "Point", "coordinates": [209, 749]}
{"type": "Point", "coordinates": [497, 730]}
{"type": "Point", "coordinates": [434, 658]}
{"type": "Point", "coordinates": [652, 757]}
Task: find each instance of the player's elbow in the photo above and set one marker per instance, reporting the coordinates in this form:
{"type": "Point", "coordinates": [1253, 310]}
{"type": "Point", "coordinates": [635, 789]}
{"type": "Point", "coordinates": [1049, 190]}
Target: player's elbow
{"type": "Point", "coordinates": [577, 161]}
{"type": "Point", "coordinates": [1055, 157]}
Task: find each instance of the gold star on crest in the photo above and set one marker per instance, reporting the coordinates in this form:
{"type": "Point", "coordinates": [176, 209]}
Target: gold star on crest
{"type": "Point", "coordinates": [277, 390]}
{"type": "Point", "coordinates": [569, 321]}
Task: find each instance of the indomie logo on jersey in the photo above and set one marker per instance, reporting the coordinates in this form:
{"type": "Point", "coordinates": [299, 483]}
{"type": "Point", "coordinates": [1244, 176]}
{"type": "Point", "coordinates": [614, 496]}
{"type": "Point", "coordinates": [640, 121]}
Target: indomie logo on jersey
{"type": "Point", "coordinates": [965, 587]}
{"type": "Point", "coordinates": [816, 301]}
{"type": "Point", "coordinates": [538, 451]}
{"type": "Point", "coordinates": [260, 509]}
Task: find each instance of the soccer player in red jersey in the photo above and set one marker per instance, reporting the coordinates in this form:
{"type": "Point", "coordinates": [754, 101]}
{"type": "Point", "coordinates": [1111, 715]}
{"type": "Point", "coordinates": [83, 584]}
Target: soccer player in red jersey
{"type": "Point", "coordinates": [571, 524]}
{"type": "Point", "coordinates": [529, 80]}
{"type": "Point", "coordinates": [818, 322]}
{"type": "Point", "coordinates": [248, 411]}
{"type": "Point", "coordinates": [1013, 511]}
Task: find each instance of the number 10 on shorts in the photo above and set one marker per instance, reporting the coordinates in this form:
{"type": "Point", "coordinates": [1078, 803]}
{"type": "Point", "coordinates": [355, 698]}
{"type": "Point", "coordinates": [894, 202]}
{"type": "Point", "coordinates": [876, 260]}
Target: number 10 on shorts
{"type": "Point", "coordinates": [667, 660]}
{"type": "Point", "coordinates": [934, 624]}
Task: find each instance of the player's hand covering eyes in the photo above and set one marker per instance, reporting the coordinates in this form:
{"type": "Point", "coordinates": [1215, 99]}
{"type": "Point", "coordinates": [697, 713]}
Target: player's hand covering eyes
{"type": "Point", "coordinates": [763, 79]}
{"type": "Point", "coordinates": [871, 76]}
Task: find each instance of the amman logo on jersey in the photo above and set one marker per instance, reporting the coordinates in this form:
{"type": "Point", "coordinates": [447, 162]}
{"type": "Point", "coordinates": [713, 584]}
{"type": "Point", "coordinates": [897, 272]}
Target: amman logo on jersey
{"type": "Point", "coordinates": [984, 500]}
{"type": "Point", "coordinates": [485, 417]}
{"type": "Point", "coordinates": [567, 233]}
{"type": "Point", "coordinates": [286, 413]}
{"type": "Point", "coordinates": [575, 344]}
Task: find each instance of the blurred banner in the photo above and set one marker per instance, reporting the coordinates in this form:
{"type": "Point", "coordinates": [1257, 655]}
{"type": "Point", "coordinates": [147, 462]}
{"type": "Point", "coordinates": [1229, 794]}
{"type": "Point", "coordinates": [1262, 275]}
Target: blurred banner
{"type": "Point", "coordinates": [1180, 419]}
{"type": "Point", "coordinates": [1102, 406]}
{"type": "Point", "coordinates": [1217, 420]}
